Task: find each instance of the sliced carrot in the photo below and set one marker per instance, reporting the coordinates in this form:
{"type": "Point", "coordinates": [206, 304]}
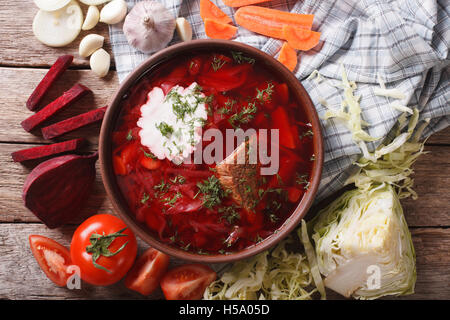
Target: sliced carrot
{"type": "Point", "coordinates": [270, 22]}
{"type": "Point", "coordinates": [300, 38]}
{"type": "Point", "coordinates": [242, 3]}
{"type": "Point", "coordinates": [288, 56]}
{"type": "Point", "coordinates": [219, 30]}
{"type": "Point", "coordinates": [211, 11]}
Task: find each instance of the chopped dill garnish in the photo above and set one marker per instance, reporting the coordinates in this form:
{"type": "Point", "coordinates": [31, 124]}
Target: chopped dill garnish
{"type": "Point", "coordinates": [265, 95]}
{"type": "Point", "coordinates": [245, 116]}
{"type": "Point", "coordinates": [149, 154]}
{"type": "Point", "coordinates": [230, 214]}
{"type": "Point", "coordinates": [239, 58]}
{"type": "Point", "coordinates": [217, 63]}
{"type": "Point", "coordinates": [165, 129]}
{"type": "Point", "coordinates": [145, 198]}
{"type": "Point", "coordinates": [130, 135]}
{"type": "Point", "coordinates": [212, 191]}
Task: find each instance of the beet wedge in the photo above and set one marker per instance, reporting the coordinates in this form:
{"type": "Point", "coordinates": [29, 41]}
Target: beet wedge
{"type": "Point", "coordinates": [66, 99]}
{"type": "Point", "coordinates": [56, 189]}
{"type": "Point", "coordinates": [71, 124]}
{"type": "Point", "coordinates": [48, 150]}
{"type": "Point", "coordinates": [57, 69]}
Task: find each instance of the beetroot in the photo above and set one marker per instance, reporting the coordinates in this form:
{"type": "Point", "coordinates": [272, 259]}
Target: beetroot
{"type": "Point", "coordinates": [57, 69]}
{"type": "Point", "coordinates": [47, 150]}
{"type": "Point", "coordinates": [67, 98]}
{"type": "Point", "coordinates": [56, 189]}
{"type": "Point", "coordinates": [71, 124]}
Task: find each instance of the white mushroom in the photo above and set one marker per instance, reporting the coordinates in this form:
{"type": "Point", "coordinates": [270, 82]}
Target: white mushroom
{"type": "Point", "coordinates": [184, 29]}
{"type": "Point", "coordinates": [51, 5]}
{"type": "Point", "coordinates": [149, 26]}
{"type": "Point", "coordinates": [113, 12]}
{"type": "Point", "coordinates": [90, 44]}
{"type": "Point", "coordinates": [92, 18]}
{"type": "Point", "coordinates": [58, 28]}
{"type": "Point", "coordinates": [100, 62]}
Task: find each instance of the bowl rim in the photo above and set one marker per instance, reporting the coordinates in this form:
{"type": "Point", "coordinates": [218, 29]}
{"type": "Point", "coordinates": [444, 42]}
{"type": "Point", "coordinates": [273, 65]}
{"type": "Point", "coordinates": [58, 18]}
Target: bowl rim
{"type": "Point", "coordinates": [117, 198]}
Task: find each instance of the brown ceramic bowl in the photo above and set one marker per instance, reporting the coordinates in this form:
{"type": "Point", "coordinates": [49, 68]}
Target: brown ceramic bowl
{"type": "Point", "coordinates": [112, 114]}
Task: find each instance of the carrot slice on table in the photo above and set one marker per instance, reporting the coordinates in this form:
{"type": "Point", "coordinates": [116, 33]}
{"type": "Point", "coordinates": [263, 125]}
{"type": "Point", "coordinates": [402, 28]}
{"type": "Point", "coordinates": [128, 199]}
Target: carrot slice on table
{"type": "Point", "coordinates": [300, 38]}
{"type": "Point", "coordinates": [219, 30]}
{"type": "Point", "coordinates": [242, 3]}
{"type": "Point", "coordinates": [211, 11]}
{"type": "Point", "coordinates": [270, 22]}
{"type": "Point", "coordinates": [288, 56]}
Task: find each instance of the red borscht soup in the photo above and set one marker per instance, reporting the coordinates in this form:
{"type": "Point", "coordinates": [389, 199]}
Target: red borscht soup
{"type": "Point", "coordinates": [210, 207]}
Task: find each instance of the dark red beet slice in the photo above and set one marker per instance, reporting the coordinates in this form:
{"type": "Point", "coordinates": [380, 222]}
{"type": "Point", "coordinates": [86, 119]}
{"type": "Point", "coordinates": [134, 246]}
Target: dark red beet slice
{"type": "Point", "coordinates": [57, 69]}
{"type": "Point", "coordinates": [67, 98]}
{"type": "Point", "coordinates": [57, 188]}
{"type": "Point", "coordinates": [48, 150]}
{"type": "Point", "coordinates": [71, 124]}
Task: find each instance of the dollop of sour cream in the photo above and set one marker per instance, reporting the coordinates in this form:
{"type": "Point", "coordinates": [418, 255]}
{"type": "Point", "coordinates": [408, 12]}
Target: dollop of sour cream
{"type": "Point", "coordinates": [171, 125]}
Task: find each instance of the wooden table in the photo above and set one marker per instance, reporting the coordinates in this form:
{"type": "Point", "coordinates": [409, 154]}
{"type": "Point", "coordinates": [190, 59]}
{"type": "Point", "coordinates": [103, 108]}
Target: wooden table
{"type": "Point", "coordinates": [24, 61]}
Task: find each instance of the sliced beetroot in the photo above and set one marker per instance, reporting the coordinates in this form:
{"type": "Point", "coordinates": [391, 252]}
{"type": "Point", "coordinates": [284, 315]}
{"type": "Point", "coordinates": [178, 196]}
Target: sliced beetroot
{"type": "Point", "coordinates": [71, 124]}
{"type": "Point", "coordinates": [67, 98]}
{"type": "Point", "coordinates": [56, 189]}
{"type": "Point", "coordinates": [47, 150]}
{"type": "Point", "coordinates": [57, 69]}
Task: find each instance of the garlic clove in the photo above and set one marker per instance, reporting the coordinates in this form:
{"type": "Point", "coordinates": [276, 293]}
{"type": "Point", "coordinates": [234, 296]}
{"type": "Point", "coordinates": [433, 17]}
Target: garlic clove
{"type": "Point", "coordinates": [149, 26]}
{"type": "Point", "coordinates": [90, 44]}
{"type": "Point", "coordinates": [94, 2]}
{"type": "Point", "coordinates": [92, 18]}
{"type": "Point", "coordinates": [58, 28]}
{"type": "Point", "coordinates": [100, 62]}
{"type": "Point", "coordinates": [184, 29]}
{"type": "Point", "coordinates": [113, 12]}
{"type": "Point", "coordinates": [51, 5]}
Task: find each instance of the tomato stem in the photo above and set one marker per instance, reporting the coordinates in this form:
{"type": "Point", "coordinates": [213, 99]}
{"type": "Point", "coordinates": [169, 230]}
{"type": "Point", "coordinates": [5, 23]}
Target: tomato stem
{"type": "Point", "coordinates": [100, 244]}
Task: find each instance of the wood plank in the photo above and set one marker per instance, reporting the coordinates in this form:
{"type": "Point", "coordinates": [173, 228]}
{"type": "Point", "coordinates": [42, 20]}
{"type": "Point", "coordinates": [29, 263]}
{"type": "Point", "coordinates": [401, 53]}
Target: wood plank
{"type": "Point", "coordinates": [442, 137]}
{"type": "Point", "coordinates": [21, 278]}
{"type": "Point", "coordinates": [432, 184]}
{"type": "Point", "coordinates": [25, 49]}
{"type": "Point", "coordinates": [21, 83]}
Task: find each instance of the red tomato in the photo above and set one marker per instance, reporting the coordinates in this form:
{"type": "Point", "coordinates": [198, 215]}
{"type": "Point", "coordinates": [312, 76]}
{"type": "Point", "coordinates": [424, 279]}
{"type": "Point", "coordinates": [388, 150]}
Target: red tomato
{"type": "Point", "coordinates": [53, 258]}
{"type": "Point", "coordinates": [187, 282]}
{"type": "Point", "coordinates": [148, 270]}
{"type": "Point", "coordinates": [115, 243]}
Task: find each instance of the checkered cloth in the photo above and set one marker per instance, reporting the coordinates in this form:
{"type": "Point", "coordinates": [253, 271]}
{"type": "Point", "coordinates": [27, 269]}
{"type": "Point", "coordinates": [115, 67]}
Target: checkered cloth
{"type": "Point", "coordinates": [405, 42]}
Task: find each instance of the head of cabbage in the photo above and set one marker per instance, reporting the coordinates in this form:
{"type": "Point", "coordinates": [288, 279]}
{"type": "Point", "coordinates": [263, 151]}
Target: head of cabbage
{"type": "Point", "coordinates": [363, 245]}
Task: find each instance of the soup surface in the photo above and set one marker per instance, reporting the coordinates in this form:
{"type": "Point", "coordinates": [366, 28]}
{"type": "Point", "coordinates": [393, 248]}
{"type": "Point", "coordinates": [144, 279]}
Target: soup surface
{"type": "Point", "coordinates": [206, 206]}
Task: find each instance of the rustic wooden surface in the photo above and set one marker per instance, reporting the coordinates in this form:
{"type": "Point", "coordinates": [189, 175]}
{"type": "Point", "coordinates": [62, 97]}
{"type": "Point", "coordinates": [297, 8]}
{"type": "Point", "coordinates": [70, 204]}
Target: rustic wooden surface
{"type": "Point", "coordinates": [23, 62]}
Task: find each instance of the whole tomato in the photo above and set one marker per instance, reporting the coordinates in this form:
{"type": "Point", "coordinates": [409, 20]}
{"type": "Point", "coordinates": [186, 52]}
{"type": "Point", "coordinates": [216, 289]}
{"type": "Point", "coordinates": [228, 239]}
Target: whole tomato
{"type": "Point", "coordinates": [104, 249]}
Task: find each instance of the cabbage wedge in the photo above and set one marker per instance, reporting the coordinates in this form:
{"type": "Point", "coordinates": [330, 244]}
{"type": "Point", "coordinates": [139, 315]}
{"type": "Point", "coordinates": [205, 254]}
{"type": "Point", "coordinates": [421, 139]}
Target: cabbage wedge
{"type": "Point", "coordinates": [363, 245]}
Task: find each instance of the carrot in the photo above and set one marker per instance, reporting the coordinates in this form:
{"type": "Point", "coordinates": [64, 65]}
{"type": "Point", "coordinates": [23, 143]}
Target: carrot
{"type": "Point", "coordinates": [219, 30]}
{"type": "Point", "coordinates": [242, 3]}
{"type": "Point", "coordinates": [288, 56]}
{"type": "Point", "coordinates": [211, 11]}
{"type": "Point", "coordinates": [270, 22]}
{"type": "Point", "coordinates": [299, 38]}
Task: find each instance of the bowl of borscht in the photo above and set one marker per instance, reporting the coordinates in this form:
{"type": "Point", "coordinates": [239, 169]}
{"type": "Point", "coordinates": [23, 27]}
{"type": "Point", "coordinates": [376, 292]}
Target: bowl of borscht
{"type": "Point", "coordinates": [211, 151]}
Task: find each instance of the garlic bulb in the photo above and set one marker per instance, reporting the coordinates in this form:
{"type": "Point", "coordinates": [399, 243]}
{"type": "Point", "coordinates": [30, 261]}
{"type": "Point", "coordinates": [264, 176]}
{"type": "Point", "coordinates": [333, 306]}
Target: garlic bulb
{"type": "Point", "coordinates": [149, 26]}
{"type": "Point", "coordinates": [113, 12]}
{"type": "Point", "coordinates": [184, 29]}
{"type": "Point", "coordinates": [92, 17]}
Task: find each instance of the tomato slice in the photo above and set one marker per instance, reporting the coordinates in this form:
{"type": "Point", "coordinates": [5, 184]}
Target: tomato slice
{"type": "Point", "coordinates": [52, 257]}
{"type": "Point", "coordinates": [187, 282]}
{"type": "Point", "coordinates": [146, 273]}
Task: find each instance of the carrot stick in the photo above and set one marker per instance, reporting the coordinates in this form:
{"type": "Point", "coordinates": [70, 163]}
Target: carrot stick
{"type": "Point", "coordinates": [269, 22]}
{"type": "Point", "coordinates": [211, 11]}
{"type": "Point", "coordinates": [300, 39]}
{"type": "Point", "coordinates": [242, 3]}
{"type": "Point", "coordinates": [219, 30]}
{"type": "Point", "coordinates": [288, 56]}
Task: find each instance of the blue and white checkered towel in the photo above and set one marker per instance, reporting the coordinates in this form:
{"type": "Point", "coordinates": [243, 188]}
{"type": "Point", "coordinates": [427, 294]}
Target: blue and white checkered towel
{"type": "Point", "coordinates": [404, 42]}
